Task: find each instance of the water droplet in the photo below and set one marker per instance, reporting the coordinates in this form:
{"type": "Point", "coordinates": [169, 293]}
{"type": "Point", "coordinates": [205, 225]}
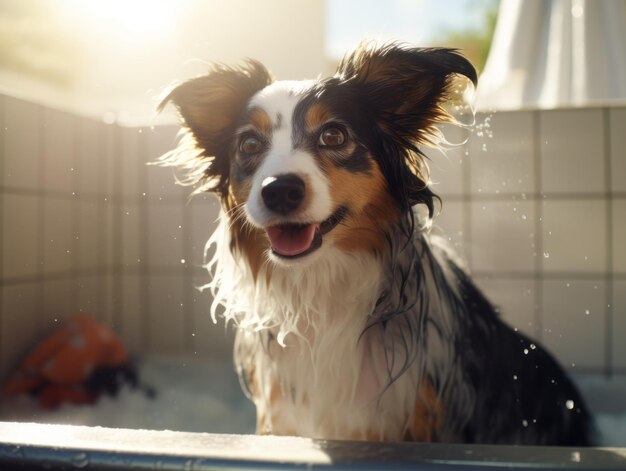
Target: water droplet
{"type": "Point", "coordinates": [587, 312]}
{"type": "Point", "coordinates": [533, 346]}
{"type": "Point", "coordinates": [546, 255]}
{"type": "Point", "coordinates": [525, 423]}
{"type": "Point", "coordinates": [525, 351]}
{"type": "Point", "coordinates": [183, 261]}
{"type": "Point", "coordinates": [569, 404]}
{"type": "Point", "coordinates": [514, 377]}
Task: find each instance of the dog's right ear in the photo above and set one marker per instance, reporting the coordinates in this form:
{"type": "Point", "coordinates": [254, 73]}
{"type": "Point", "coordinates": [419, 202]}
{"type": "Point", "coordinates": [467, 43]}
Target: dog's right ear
{"type": "Point", "coordinates": [210, 106]}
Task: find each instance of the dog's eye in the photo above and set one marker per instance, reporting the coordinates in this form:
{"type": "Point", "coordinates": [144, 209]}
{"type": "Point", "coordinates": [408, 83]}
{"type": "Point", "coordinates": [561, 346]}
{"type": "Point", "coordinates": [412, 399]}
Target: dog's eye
{"type": "Point", "coordinates": [250, 145]}
{"type": "Point", "coordinates": [332, 137]}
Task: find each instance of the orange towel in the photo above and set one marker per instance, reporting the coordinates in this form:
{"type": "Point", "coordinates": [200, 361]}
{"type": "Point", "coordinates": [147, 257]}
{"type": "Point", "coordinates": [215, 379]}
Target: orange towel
{"type": "Point", "coordinates": [59, 366]}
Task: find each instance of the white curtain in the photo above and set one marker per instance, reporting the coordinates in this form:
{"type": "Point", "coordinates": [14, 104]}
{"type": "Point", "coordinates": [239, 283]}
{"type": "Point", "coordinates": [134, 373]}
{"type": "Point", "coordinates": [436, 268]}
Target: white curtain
{"type": "Point", "coordinates": [556, 53]}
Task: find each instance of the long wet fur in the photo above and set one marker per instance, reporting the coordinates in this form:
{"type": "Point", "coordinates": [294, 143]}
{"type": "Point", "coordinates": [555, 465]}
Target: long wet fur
{"type": "Point", "coordinates": [447, 367]}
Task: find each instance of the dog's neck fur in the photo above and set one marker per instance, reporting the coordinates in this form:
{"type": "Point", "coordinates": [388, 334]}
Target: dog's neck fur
{"type": "Point", "coordinates": [336, 335]}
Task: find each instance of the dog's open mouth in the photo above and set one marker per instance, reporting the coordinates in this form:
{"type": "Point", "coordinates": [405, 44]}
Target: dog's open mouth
{"type": "Point", "coordinates": [298, 240]}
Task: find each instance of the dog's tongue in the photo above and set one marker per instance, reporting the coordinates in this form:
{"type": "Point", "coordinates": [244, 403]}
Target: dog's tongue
{"type": "Point", "coordinates": [290, 240]}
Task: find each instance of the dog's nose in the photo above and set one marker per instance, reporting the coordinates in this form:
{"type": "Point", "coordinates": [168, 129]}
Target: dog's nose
{"type": "Point", "coordinates": [283, 193]}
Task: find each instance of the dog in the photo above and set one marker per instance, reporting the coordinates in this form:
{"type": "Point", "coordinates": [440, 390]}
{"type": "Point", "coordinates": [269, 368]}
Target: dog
{"type": "Point", "coordinates": [353, 320]}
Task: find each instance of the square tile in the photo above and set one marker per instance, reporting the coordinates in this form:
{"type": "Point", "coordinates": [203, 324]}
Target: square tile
{"type": "Point", "coordinates": [131, 233]}
{"type": "Point", "coordinates": [58, 242]}
{"type": "Point", "coordinates": [450, 223]}
{"type": "Point", "coordinates": [131, 162]}
{"type": "Point", "coordinates": [165, 235]}
{"type": "Point", "coordinates": [502, 154]}
{"type": "Point", "coordinates": [514, 300]}
{"type": "Point", "coordinates": [110, 177]}
{"type": "Point", "coordinates": [107, 236]}
{"type": "Point", "coordinates": [162, 180]}
{"type": "Point", "coordinates": [502, 236]}
{"type": "Point", "coordinates": [22, 232]}
{"type": "Point", "coordinates": [574, 236]}
{"type": "Point", "coordinates": [167, 314]}
{"type": "Point", "coordinates": [134, 327]}
{"type": "Point", "coordinates": [87, 294]}
{"type": "Point", "coordinates": [21, 323]}
{"type": "Point", "coordinates": [215, 339]}
{"type": "Point", "coordinates": [617, 117]}
{"type": "Point", "coordinates": [618, 329]}
{"type": "Point", "coordinates": [619, 235]}
{"type": "Point", "coordinates": [59, 151]}
{"type": "Point", "coordinates": [22, 153]}
{"type": "Point", "coordinates": [59, 301]}
{"type": "Point", "coordinates": [205, 211]}
{"type": "Point", "coordinates": [574, 322]}
{"type": "Point", "coordinates": [88, 226]}
{"type": "Point", "coordinates": [89, 155]}
{"type": "Point", "coordinates": [572, 151]}
{"type": "Point", "coordinates": [447, 165]}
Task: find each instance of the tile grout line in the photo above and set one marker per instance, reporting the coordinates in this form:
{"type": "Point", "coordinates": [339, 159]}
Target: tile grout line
{"type": "Point", "coordinates": [75, 213]}
{"type": "Point", "coordinates": [41, 243]}
{"type": "Point", "coordinates": [467, 204]}
{"type": "Point", "coordinates": [189, 343]}
{"type": "Point", "coordinates": [144, 296]}
{"type": "Point", "coordinates": [100, 211]}
{"type": "Point", "coordinates": [3, 140]}
{"type": "Point", "coordinates": [606, 122]}
{"type": "Point", "coordinates": [117, 319]}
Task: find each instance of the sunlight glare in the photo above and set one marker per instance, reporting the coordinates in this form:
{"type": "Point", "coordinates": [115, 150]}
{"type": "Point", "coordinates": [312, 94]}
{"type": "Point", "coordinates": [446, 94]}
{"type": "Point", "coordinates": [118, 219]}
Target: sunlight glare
{"type": "Point", "coordinates": [135, 18]}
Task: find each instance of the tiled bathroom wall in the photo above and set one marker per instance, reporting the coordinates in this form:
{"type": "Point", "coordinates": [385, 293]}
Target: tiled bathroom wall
{"type": "Point", "coordinates": [535, 201]}
{"type": "Point", "coordinates": [88, 226]}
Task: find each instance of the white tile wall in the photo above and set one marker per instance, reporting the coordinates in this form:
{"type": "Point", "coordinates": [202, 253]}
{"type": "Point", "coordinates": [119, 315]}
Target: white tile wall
{"type": "Point", "coordinates": [134, 314]}
{"type": "Point", "coordinates": [574, 321]}
{"type": "Point", "coordinates": [618, 149]}
{"type": "Point", "coordinates": [59, 301]}
{"type": "Point", "coordinates": [88, 230]}
{"type": "Point", "coordinates": [89, 153]}
{"type": "Point", "coordinates": [21, 226]}
{"type": "Point", "coordinates": [165, 235]}
{"type": "Point", "coordinates": [447, 166]}
{"type": "Point", "coordinates": [167, 314]}
{"type": "Point", "coordinates": [492, 209]}
{"type": "Point", "coordinates": [572, 151]}
{"type": "Point", "coordinates": [131, 162]}
{"type": "Point", "coordinates": [619, 235]}
{"type": "Point", "coordinates": [574, 236]}
{"type": "Point", "coordinates": [58, 151]}
{"type": "Point", "coordinates": [502, 158]}
{"type": "Point", "coordinates": [22, 163]}
{"type": "Point", "coordinates": [57, 235]}
{"type": "Point", "coordinates": [502, 236]}
{"type": "Point", "coordinates": [131, 218]}
{"type": "Point", "coordinates": [618, 330]}
{"type": "Point", "coordinates": [22, 322]}
{"type": "Point", "coordinates": [450, 223]}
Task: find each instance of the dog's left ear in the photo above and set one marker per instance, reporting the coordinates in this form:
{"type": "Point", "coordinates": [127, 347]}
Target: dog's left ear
{"type": "Point", "coordinates": [406, 86]}
{"type": "Point", "coordinates": [402, 90]}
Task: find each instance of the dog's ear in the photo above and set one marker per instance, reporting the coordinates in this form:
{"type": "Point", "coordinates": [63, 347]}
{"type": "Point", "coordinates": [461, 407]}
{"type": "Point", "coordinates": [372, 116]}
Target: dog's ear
{"type": "Point", "coordinates": [210, 106]}
{"type": "Point", "coordinates": [406, 86]}
{"type": "Point", "coordinates": [402, 90]}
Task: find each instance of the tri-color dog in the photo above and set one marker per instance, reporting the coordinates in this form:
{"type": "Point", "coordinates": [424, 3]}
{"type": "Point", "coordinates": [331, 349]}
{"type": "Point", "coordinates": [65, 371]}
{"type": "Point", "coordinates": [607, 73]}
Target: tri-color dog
{"type": "Point", "coordinates": [353, 321]}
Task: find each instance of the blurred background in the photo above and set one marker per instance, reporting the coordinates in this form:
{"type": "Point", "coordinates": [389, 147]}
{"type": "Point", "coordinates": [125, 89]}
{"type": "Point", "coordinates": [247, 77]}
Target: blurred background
{"type": "Point", "coordinates": [534, 196]}
{"type": "Point", "coordinates": [114, 56]}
